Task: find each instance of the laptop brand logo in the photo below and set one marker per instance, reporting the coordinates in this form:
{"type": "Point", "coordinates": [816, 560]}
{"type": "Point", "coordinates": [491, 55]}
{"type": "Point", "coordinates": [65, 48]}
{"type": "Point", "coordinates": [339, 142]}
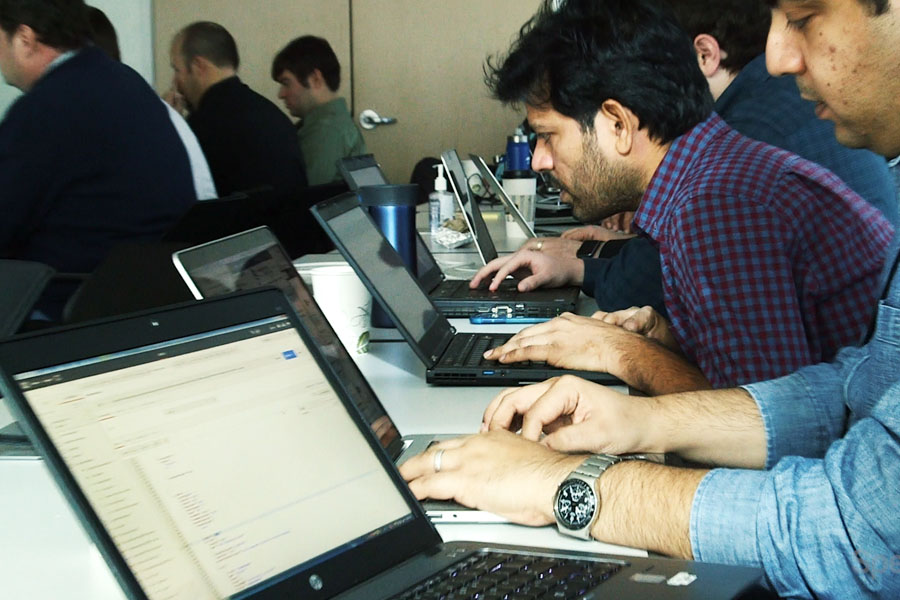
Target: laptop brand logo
{"type": "Point", "coordinates": [315, 582]}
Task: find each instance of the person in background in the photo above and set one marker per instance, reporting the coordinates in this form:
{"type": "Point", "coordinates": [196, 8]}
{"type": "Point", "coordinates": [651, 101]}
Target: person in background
{"type": "Point", "coordinates": [248, 142]}
{"type": "Point", "coordinates": [309, 76]}
{"type": "Point", "coordinates": [88, 155]}
{"type": "Point", "coordinates": [806, 466]}
{"type": "Point", "coordinates": [103, 34]}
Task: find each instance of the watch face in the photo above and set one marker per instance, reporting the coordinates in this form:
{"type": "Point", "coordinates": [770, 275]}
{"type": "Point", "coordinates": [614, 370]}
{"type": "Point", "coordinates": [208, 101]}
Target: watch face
{"type": "Point", "coordinates": [575, 504]}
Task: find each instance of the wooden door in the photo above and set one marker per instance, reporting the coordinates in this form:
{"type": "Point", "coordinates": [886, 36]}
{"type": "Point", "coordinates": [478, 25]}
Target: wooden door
{"type": "Point", "coordinates": [421, 61]}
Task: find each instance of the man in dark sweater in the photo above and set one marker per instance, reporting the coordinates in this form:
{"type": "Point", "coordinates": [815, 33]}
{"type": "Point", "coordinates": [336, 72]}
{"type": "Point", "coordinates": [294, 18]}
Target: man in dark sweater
{"type": "Point", "coordinates": [249, 143]}
{"type": "Point", "coordinates": [88, 156]}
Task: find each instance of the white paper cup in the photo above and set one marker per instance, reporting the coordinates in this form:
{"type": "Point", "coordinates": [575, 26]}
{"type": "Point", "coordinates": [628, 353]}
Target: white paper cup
{"type": "Point", "coordinates": [523, 192]}
{"type": "Point", "coordinates": [346, 303]}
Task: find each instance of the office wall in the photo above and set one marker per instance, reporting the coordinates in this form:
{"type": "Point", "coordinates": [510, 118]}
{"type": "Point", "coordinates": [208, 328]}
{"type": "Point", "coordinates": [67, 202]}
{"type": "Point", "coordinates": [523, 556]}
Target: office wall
{"type": "Point", "coordinates": [132, 20]}
{"type": "Point", "coordinates": [421, 62]}
{"type": "Point", "coordinates": [260, 28]}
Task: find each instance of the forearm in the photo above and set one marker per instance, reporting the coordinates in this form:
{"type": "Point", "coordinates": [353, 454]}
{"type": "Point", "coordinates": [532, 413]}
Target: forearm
{"type": "Point", "coordinates": [717, 427]}
{"type": "Point", "coordinates": [647, 505]}
{"type": "Point", "coordinates": [652, 368]}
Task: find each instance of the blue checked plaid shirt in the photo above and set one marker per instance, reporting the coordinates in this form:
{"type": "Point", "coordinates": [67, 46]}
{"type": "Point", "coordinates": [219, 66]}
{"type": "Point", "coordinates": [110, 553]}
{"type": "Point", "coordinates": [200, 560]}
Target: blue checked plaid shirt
{"type": "Point", "coordinates": [769, 262]}
{"type": "Point", "coordinates": [824, 519]}
{"type": "Point", "coordinates": [770, 109]}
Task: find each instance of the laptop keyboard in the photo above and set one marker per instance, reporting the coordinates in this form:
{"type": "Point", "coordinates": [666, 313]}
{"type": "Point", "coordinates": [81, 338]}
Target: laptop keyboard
{"type": "Point", "coordinates": [500, 576]}
{"type": "Point", "coordinates": [468, 350]}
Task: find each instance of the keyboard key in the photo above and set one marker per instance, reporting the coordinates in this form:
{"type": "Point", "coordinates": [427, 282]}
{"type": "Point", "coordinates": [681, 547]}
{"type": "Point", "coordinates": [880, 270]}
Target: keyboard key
{"type": "Point", "coordinates": [498, 576]}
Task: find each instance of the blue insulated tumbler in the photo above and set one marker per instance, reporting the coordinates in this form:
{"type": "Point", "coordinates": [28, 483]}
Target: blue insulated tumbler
{"type": "Point", "coordinates": [393, 208]}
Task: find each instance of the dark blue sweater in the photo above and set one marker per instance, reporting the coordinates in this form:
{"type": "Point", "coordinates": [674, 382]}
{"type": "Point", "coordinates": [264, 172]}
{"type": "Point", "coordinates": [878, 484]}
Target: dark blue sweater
{"type": "Point", "coordinates": [88, 158]}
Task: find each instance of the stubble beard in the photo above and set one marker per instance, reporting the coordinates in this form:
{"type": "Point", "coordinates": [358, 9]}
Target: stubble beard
{"type": "Point", "coordinates": [601, 188]}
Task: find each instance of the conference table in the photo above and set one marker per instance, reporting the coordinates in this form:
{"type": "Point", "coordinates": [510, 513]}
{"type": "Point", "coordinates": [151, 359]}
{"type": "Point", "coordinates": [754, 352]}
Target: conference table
{"type": "Point", "coordinates": [45, 553]}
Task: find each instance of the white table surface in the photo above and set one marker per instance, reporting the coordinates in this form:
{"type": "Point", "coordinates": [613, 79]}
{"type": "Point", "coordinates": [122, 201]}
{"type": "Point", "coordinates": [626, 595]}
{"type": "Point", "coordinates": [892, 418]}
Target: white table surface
{"type": "Point", "coordinates": [45, 553]}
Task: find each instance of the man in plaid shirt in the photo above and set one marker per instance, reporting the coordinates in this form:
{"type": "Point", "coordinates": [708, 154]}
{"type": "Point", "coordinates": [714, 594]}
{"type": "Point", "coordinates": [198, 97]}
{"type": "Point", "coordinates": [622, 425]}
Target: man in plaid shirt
{"type": "Point", "coordinates": [769, 262]}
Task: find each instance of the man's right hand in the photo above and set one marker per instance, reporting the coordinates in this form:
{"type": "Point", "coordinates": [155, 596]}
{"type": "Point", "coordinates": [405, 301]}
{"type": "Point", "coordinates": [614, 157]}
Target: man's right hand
{"type": "Point", "coordinates": [534, 269]}
{"type": "Point", "coordinates": [176, 101]}
{"type": "Point", "coordinates": [576, 416]}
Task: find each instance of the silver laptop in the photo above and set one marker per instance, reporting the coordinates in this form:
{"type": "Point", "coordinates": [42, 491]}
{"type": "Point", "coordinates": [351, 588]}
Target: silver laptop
{"type": "Point", "coordinates": [211, 452]}
{"type": "Point", "coordinates": [481, 237]}
{"type": "Point", "coordinates": [254, 259]}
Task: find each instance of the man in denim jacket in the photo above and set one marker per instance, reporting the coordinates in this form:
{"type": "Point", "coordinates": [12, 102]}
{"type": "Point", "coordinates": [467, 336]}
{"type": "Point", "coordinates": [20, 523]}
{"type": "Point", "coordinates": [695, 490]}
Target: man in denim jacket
{"type": "Point", "coordinates": [807, 483]}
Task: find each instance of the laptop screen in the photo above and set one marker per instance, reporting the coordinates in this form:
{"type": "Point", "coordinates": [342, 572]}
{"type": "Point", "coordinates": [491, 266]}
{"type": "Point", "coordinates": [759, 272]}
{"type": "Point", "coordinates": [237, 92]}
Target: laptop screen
{"type": "Point", "coordinates": [254, 259]}
{"type": "Point", "coordinates": [383, 270]}
{"type": "Point", "coordinates": [360, 171]}
{"type": "Point", "coordinates": [180, 447]}
{"type": "Point", "coordinates": [458, 181]}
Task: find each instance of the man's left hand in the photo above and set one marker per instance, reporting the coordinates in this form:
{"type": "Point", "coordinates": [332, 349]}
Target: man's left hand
{"type": "Point", "coordinates": [498, 471]}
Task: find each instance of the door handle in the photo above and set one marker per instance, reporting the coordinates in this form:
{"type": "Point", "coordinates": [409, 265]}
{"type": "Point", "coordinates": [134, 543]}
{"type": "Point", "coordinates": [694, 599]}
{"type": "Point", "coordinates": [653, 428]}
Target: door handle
{"type": "Point", "coordinates": [369, 119]}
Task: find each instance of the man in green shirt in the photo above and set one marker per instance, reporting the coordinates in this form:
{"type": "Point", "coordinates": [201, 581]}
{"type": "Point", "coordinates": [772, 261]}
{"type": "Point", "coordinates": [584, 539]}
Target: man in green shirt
{"type": "Point", "coordinates": [309, 74]}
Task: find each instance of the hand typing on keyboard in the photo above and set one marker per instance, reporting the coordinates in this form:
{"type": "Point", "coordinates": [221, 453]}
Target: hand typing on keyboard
{"type": "Point", "coordinates": [523, 475]}
{"type": "Point", "coordinates": [576, 416]}
{"type": "Point", "coordinates": [594, 344]}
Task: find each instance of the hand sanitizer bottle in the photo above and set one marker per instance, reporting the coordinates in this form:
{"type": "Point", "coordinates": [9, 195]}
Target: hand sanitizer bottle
{"type": "Point", "coordinates": [441, 203]}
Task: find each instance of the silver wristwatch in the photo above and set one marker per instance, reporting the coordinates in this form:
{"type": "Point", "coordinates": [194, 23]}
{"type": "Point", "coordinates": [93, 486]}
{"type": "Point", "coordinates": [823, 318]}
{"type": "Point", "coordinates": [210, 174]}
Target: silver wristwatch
{"type": "Point", "coordinates": [576, 506]}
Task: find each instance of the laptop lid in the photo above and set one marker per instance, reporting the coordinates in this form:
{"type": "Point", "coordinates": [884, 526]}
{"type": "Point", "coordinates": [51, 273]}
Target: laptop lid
{"type": "Point", "coordinates": [168, 432]}
{"type": "Point", "coordinates": [254, 259]}
{"type": "Point", "coordinates": [382, 271]}
{"type": "Point", "coordinates": [498, 190]}
{"type": "Point", "coordinates": [363, 170]}
{"type": "Point", "coordinates": [360, 171]}
{"type": "Point", "coordinates": [470, 210]}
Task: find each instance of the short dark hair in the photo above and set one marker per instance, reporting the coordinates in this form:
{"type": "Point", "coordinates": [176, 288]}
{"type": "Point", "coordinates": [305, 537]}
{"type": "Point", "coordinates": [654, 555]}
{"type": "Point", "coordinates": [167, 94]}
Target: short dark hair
{"type": "Point", "coordinates": [60, 24]}
{"type": "Point", "coordinates": [877, 7]}
{"type": "Point", "coordinates": [210, 41]}
{"type": "Point", "coordinates": [740, 26]}
{"type": "Point", "coordinates": [587, 52]}
{"type": "Point", "coordinates": [305, 54]}
{"type": "Point", "coordinates": [103, 34]}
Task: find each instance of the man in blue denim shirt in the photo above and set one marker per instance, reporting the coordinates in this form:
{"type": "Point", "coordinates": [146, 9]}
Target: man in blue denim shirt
{"type": "Point", "coordinates": [812, 488]}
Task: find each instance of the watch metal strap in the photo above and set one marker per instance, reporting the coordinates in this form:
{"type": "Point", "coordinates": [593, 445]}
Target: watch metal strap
{"type": "Point", "coordinates": [594, 465]}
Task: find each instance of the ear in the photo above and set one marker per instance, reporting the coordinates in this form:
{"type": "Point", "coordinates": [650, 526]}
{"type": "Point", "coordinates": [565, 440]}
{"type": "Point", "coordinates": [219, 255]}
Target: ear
{"type": "Point", "coordinates": [315, 79]}
{"type": "Point", "coordinates": [27, 38]}
{"type": "Point", "coordinates": [709, 55]}
{"type": "Point", "coordinates": [621, 125]}
{"type": "Point", "coordinates": [197, 65]}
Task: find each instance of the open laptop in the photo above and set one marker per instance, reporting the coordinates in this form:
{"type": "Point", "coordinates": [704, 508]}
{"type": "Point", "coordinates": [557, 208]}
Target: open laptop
{"type": "Point", "coordinates": [253, 259]}
{"type": "Point", "coordinates": [210, 452]}
{"type": "Point", "coordinates": [454, 297]}
{"type": "Point", "coordinates": [494, 186]}
{"type": "Point", "coordinates": [481, 237]}
{"type": "Point", "coordinates": [450, 358]}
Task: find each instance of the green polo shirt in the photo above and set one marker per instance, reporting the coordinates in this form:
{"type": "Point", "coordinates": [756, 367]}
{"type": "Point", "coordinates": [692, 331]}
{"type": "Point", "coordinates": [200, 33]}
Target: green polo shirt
{"type": "Point", "coordinates": [327, 135]}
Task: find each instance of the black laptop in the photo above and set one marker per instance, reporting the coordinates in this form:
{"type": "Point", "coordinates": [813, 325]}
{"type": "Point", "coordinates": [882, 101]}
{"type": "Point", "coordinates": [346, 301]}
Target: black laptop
{"type": "Point", "coordinates": [450, 358]}
{"type": "Point", "coordinates": [210, 452]}
{"type": "Point", "coordinates": [454, 297]}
